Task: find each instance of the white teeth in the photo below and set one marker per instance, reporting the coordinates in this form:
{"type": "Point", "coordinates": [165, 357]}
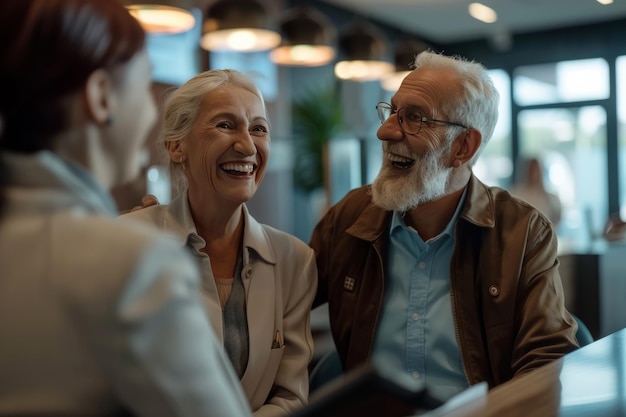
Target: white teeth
{"type": "Point", "coordinates": [244, 168]}
{"type": "Point", "coordinates": [398, 158]}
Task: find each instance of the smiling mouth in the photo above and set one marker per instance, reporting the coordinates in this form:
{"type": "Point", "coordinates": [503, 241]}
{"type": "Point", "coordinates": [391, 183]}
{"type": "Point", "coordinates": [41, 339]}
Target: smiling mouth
{"type": "Point", "coordinates": [241, 169]}
{"type": "Point", "coordinates": [400, 161]}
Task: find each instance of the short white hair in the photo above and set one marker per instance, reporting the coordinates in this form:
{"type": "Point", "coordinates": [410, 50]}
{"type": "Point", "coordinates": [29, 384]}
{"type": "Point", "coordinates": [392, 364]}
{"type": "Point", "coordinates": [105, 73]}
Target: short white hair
{"type": "Point", "coordinates": [477, 106]}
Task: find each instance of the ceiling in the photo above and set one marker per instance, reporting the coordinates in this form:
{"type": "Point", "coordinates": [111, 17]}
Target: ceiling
{"type": "Point", "coordinates": [448, 21]}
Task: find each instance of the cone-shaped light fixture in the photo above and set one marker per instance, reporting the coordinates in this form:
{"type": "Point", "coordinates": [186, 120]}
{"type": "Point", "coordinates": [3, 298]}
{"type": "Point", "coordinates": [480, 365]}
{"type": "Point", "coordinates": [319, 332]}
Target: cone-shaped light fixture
{"type": "Point", "coordinates": [363, 54]}
{"type": "Point", "coordinates": [238, 25]}
{"type": "Point", "coordinates": [162, 17]}
{"type": "Point", "coordinates": [308, 39]}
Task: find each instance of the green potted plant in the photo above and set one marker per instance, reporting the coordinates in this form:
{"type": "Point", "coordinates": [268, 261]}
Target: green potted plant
{"type": "Point", "coordinates": [316, 120]}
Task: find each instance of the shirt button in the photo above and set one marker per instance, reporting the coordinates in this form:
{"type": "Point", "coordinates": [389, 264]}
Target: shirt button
{"type": "Point", "coordinates": [415, 375]}
{"type": "Point", "coordinates": [422, 265]}
{"type": "Point", "coordinates": [415, 316]}
{"type": "Point", "coordinates": [494, 291]}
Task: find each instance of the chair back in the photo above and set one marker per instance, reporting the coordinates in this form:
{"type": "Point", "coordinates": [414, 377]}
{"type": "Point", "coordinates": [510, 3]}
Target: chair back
{"type": "Point", "coordinates": [583, 335]}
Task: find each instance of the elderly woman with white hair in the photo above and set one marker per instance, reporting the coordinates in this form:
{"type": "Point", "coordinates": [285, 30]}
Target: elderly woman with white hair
{"type": "Point", "coordinates": [258, 282]}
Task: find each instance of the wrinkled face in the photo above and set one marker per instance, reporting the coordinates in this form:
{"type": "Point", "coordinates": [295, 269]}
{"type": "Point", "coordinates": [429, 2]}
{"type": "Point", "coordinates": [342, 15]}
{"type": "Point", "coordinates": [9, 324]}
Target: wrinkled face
{"type": "Point", "coordinates": [226, 153]}
{"type": "Point", "coordinates": [134, 116]}
{"type": "Point", "coordinates": [415, 168]}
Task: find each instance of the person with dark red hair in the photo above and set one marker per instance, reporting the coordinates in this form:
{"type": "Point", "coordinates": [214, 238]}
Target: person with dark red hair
{"type": "Point", "coordinates": [98, 317]}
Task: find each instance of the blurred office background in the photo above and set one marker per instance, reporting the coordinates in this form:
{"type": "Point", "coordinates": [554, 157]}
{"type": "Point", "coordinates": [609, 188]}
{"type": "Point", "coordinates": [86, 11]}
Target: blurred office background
{"type": "Point", "coordinates": [559, 65]}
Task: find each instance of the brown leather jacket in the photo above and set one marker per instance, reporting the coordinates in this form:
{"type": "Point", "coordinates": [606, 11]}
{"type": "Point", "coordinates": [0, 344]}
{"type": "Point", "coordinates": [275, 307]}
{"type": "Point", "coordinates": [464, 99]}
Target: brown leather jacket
{"type": "Point", "coordinates": [507, 297]}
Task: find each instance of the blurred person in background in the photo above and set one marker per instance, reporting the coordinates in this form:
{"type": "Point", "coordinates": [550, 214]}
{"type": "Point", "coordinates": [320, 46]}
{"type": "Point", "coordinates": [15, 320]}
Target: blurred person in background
{"type": "Point", "coordinates": [531, 188]}
{"type": "Point", "coordinates": [98, 317]}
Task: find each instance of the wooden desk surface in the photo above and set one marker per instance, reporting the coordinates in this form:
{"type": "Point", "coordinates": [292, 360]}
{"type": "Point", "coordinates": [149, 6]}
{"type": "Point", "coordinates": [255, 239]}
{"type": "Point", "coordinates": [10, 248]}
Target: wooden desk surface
{"type": "Point", "coordinates": [589, 382]}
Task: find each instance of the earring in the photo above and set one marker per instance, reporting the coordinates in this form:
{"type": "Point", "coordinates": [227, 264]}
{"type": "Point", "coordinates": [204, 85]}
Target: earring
{"type": "Point", "coordinates": [109, 121]}
{"type": "Point", "coordinates": [181, 163]}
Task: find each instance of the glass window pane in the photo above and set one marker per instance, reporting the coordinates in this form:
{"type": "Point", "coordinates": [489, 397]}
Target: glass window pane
{"type": "Point", "coordinates": [571, 144]}
{"type": "Point", "coordinates": [256, 65]}
{"type": "Point", "coordinates": [494, 167]}
{"type": "Point", "coordinates": [621, 131]}
{"type": "Point", "coordinates": [561, 82]}
{"type": "Point", "coordinates": [175, 57]}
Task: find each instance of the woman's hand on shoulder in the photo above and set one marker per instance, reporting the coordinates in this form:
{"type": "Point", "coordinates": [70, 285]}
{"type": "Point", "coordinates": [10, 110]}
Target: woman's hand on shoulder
{"type": "Point", "coordinates": [147, 200]}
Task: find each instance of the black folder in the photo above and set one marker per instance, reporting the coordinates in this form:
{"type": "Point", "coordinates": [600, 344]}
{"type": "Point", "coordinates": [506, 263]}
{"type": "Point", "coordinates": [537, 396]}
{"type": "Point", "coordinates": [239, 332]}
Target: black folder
{"type": "Point", "coordinates": [369, 391]}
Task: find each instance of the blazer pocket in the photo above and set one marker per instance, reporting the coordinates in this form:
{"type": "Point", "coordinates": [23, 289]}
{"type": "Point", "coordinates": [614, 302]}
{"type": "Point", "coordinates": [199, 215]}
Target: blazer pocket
{"type": "Point", "coordinates": [271, 368]}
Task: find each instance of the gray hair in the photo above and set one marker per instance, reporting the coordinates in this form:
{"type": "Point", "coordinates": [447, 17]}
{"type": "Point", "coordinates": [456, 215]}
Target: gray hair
{"type": "Point", "coordinates": [183, 105]}
{"type": "Point", "coordinates": [477, 106]}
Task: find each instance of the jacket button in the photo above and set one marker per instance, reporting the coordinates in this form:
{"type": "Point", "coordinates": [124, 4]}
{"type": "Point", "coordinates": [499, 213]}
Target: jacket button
{"type": "Point", "coordinates": [494, 291]}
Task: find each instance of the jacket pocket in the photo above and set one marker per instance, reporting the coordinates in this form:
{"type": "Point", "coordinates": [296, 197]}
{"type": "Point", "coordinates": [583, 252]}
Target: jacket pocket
{"type": "Point", "coordinates": [271, 368]}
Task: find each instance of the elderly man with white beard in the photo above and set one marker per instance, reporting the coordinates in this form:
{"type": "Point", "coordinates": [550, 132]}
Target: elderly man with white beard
{"type": "Point", "coordinates": [428, 271]}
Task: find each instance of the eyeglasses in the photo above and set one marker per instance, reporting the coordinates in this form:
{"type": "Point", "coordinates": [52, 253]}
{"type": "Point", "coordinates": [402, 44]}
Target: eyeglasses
{"type": "Point", "coordinates": [410, 119]}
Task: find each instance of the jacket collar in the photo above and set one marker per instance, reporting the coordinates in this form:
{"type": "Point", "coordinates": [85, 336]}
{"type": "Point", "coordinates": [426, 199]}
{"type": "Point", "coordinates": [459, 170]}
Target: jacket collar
{"type": "Point", "coordinates": [478, 209]}
{"type": "Point", "coordinates": [479, 206]}
{"type": "Point", "coordinates": [45, 181]}
{"type": "Point", "coordinates": [371, 223]}
{"type": "Point", "coordinates": [254, 236]}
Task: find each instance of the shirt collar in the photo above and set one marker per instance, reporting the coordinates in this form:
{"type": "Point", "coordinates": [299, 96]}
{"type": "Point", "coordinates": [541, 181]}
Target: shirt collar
{"type": "Point", "coordinates": [397, 219]}
{"type": "Point", "coordinates": [254, 236]}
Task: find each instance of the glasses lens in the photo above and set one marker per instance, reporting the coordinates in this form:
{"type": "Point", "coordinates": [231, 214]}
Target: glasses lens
{"type": "Point", "coordinates": [410, 120]}
{"type": "Point", "coordinates": [384, 111]}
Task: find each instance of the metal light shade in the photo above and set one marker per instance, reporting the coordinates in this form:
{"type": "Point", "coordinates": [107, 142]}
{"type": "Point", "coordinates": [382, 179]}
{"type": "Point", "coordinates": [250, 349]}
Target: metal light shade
{"type": "Point", "coordinates": [308, 39]}
{"type": "Point", "coordinates": [404, 57]}
{"type": "Point", "coordinates": [238, 25]}
{"type": "Point", "coordinates": [364, 54]}
{"type": "Point", "coordinates": [162, 18]}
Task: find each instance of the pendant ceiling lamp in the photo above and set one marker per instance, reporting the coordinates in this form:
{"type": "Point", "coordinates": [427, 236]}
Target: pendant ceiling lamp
{"type": "Point", "coordinates": [363, 54]}
{"type": "Point", "coordinates": [404, 58]}
{"type": "Point", "coordinates": [162, 17]}
{"type": "Point", "coordinates": [308, 39]}
{"type": "Point", "coordinates": [238, 25]}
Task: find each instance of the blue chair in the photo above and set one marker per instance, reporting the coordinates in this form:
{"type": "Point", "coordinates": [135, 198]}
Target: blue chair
{"type": "Point", "coordinates": [583, 335]}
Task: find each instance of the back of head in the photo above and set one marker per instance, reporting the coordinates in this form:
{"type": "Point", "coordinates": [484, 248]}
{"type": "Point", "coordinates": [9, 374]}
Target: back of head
{"type": "Point", "coordinates": [477, 107]}
{"type": "Point", "coordinates": [182, 106]}
{"type": "Point", "coordinates": [48, 49]}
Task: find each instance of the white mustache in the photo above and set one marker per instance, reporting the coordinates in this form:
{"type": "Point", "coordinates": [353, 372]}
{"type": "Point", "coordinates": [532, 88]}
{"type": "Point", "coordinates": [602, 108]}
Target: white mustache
{"type": "Point", "coordinates": [399, 149]}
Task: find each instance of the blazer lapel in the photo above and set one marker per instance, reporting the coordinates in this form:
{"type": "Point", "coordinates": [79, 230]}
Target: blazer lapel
{"type": "Point", "coordinates": [258, 280]}
{"type": "Point", "coordinates": [261, 320]}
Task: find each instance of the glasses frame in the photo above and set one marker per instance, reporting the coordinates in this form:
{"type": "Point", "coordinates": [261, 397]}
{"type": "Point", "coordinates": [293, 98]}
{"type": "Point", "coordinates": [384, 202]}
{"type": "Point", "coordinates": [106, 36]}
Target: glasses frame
{"type": "Point", "coordinates": [383, 106]}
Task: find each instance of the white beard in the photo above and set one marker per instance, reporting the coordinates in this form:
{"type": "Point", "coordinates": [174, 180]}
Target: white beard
{"type": "Point", "coordinates": [425, 181]}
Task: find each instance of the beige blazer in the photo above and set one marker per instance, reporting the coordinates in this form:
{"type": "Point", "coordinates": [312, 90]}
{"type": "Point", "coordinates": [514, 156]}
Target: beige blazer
{"type": "Point", "coordinates": [97, 314]}
{"type": "Point", "coordinates": [280, 279]}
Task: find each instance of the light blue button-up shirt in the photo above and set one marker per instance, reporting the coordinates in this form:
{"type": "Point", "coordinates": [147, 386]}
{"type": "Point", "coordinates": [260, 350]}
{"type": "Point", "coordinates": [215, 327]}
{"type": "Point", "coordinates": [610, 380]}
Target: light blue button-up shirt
{"type": "Point", "coordinates": [416, 332]}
